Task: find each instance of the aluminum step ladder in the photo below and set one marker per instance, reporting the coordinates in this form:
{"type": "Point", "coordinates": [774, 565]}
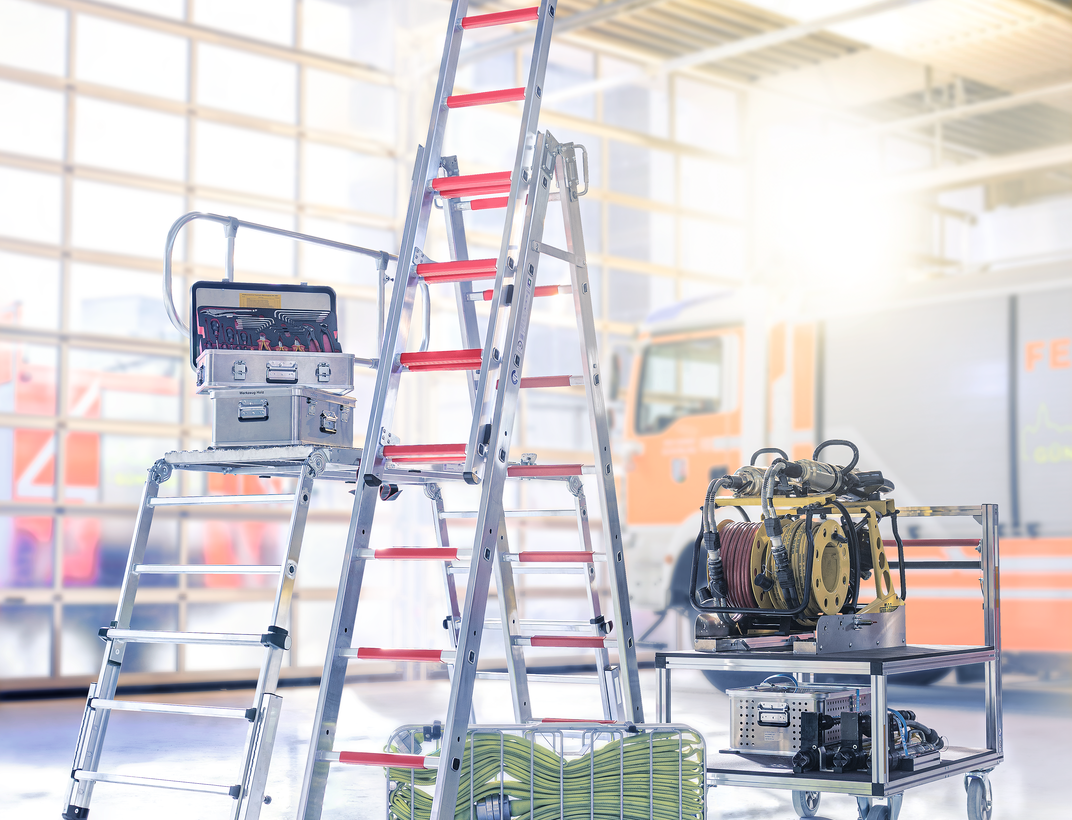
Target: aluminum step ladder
{"type": "Point", "coordinates": [544, 170]}
{"type": "Point", "coordinates": [304, 464]}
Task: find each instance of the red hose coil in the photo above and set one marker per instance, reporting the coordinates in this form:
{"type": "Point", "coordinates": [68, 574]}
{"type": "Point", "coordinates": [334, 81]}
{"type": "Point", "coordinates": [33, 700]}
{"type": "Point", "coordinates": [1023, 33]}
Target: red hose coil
{"type": "Point", "coordinates": [737, 539]}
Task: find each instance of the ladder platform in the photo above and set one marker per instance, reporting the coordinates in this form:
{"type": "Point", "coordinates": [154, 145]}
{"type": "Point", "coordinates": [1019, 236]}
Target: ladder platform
{"type": "Point", "coordinates": [158, 783]}
{"type": "Point", "coordinates": [497, 182]}
{"type": "Point", "coordinates": [424, 453]}
{"type": "Point", "coordinates": [433, 360]}
{"type": "Point", "coordinates": [539, 290]}
{"type": "Point", "coordinates": [501, 18]}
{"type": "Point", "coordinates": [501, 95]}
{"type": "Point", "coordinates": [396, 761]}
{"type": "Point", "coordinates": [463, 271]}
{"type": "Point", "coordinates": [174, 709]}
{"type": "Point", "coordinates": [565, 641]}
{"type": "Point", "coordinates": [277, 461]}
{"type": "Point", "coordinates": [277, 638]}
{"type": "Point", "coordinates": [372, 653]}
{"type": "Point", "coordinates": [206, 569]}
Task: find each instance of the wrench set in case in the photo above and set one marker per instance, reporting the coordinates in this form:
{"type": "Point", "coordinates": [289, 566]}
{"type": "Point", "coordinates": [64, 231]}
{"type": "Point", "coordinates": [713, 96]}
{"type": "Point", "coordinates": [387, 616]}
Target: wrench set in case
{"type": "Point", "coordinates": [268, 357]}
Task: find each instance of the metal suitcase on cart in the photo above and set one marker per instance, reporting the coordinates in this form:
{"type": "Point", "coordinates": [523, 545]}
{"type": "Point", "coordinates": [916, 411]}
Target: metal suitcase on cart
{"type": "Point", "coordinates": [766, 719]}
{"type": "Point", "coordinates": [261, 417]}
{"type": "Point", "coordinates": [221, 369]}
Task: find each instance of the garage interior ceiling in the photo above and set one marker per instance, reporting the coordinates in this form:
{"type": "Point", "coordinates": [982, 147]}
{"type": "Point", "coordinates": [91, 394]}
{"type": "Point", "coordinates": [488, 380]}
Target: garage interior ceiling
{"type": "Point", "coordinates": [969, 62]}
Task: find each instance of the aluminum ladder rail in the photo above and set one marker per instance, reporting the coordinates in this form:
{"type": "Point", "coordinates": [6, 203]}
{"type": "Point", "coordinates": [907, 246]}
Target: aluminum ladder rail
{"type": "Point", "coordinates": [484, 459]}
{"type": "Point", "coordinates": [263, 714]}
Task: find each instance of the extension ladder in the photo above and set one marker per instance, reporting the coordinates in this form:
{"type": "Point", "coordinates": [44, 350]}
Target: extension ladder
{"type": "Point", "coordinates": [304, 464]}
{"type": "Point", "coordinates": [495, 366]}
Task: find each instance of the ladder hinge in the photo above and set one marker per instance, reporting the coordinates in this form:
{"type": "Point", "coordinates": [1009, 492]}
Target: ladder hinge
{"type": "Point", "coordinates": [277, 637]}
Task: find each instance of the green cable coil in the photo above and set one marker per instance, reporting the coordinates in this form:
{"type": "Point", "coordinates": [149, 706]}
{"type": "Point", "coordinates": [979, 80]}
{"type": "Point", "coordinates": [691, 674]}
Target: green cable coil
{"type": "Point", "coordinates": [653, 775]}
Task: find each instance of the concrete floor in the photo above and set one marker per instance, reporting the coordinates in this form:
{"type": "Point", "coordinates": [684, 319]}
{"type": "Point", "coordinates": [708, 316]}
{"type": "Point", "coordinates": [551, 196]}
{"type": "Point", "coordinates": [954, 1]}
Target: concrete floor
{"type": "Point", "coordinates": [37, 740]}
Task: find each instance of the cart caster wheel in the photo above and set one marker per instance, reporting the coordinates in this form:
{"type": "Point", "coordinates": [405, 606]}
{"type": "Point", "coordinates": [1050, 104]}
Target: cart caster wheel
{"type": "Point", "coordinates": [863, 806]}
{"type": "Point", "coordinates": [980, 806]}
{"type": "Point", "coordinates": [806, 804]}
{"type": "Point", "coordinates": [879, 813]}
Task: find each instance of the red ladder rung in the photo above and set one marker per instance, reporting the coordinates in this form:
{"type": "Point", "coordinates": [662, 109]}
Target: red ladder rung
{"type": "Point", "coordinates": [497, 182]}
{"type": "Point", "coordinates": [486, 97]}
{"type": "Point", "coordinates": [372, 653]}
{"type": "Point", "coordinates": [397, 761]}
{"type": "Point", "coordinates": [570, 641]}
{"type": "Point", "coordinates": [547, 381]}
{"type": "Point", "coordinates": [429, 360]}
{"type": "Point", "coordinates": [461, 271]}
{"type": "Point", "coordinates": [552, 557]}
{"type": "Point", "coordinates": [501, 18]}
{"type": "Point", "coordinates": [539, 290]}
{"type": "Point", "coordinates": [543, 470]}
{"type": "Point", "coordinates": [489, 203]}
{"type": "Point", "coordinates": [424, 453]}
{"type": "Point", "coordinates": [416, 553]}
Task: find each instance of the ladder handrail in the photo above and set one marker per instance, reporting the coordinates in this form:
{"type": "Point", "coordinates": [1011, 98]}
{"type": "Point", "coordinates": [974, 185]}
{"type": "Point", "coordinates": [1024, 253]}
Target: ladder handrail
{"type": "Point", "coordinates": [230, 226]}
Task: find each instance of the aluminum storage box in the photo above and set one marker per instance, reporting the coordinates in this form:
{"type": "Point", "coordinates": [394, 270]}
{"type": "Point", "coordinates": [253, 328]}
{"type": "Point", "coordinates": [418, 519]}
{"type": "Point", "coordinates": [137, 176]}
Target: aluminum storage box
{"type": "Point", "coordinates": [221, 369]}
{"type": "Point", "coordinates": [259, 417]}
{"type": "Point", "coordinates": [766, 719]}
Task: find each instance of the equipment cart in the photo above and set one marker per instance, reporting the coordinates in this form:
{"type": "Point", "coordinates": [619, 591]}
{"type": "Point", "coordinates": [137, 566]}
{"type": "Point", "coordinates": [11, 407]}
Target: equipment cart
{"type": "Point", "coordinates": [764, 654]}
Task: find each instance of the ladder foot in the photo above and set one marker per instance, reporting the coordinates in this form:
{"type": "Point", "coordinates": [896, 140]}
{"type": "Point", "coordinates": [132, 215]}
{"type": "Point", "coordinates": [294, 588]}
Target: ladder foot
{"type": "Point", "coordinates": [75, 813]}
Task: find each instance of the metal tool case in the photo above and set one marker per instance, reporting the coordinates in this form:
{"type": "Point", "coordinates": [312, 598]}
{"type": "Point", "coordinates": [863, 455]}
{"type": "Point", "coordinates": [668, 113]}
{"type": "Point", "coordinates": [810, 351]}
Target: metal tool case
{"type": "Point", "coordinates": [259, 417]}
{"type": "Point", "coordinates": [766, 719]}
{"type": "Point", "coordinates": [221, 369]}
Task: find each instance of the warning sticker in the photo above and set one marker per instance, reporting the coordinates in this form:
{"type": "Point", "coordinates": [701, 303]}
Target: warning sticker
{"type": "Point", "coordinates": [260, 300]}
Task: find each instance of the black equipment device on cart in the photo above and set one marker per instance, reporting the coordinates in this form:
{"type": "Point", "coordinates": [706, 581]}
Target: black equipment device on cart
{"type": "Point", "coordinates": [817, 541]}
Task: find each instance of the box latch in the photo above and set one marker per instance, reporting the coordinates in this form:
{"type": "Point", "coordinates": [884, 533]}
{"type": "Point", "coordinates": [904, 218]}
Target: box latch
{"type": "Point", "coordinates": [282, 373]}
{"type": "Point", "coordinates": [238, 371]}
{"type": "Point", "coordinates": [329, 422]}
{"type": "Point", "coordinates": [253, 410]}
{"type": "Point", "coordinates": [323, 372]}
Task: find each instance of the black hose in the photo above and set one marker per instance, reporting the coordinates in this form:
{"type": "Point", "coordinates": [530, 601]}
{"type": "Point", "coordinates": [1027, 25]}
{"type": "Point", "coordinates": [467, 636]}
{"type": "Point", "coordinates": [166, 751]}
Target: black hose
{"type": "Point", "coordinates": [854, 554]}
{"type": "Point", "coordinates": [900, 554]}
{"type": "Point", "coordinates": [763, 450]}
{"type": "Point", "coordinates": [835, 441]}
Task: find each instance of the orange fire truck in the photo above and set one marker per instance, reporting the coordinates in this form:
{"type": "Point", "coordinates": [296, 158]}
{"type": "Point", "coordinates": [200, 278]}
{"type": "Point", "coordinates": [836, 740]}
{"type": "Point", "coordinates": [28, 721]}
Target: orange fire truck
{"type": "Point", "coordinates": [959, 397]}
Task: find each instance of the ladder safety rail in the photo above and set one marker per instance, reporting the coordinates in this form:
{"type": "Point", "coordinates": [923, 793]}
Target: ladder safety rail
{"type": "Point", "coordinates": [512, 514]}
{"type": "Point", "coordinates": [576, 720]}
{"type": "Point", "coordinates": [556, 557]}
{"type": "Point", "coordinates": [544, 470]}
{"type": "Point", "coordinates": [278, 638]}
{"type": "Point", "coordinates": [231, 226]}
{"type": "Point", "coordinates": [486, 97]}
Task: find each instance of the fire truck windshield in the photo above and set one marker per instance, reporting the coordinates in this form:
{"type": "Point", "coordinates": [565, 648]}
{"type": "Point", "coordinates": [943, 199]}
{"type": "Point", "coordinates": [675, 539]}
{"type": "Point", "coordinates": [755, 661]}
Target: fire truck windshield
{"type": "Point", "coordinates": [677, 379]}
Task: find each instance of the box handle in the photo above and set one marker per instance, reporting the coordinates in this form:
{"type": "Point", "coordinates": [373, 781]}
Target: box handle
{"type": "Point", "coordinates": [253, 410]}
{"type": "Point", "coordinates": [329, 422]}
{"type": "Point", "coordinates": [281, 373]}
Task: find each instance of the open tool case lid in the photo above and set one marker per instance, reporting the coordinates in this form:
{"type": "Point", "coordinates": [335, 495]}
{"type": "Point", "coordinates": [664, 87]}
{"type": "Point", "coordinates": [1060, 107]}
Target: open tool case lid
{"type": "Point", "coordinates": [248, 316]}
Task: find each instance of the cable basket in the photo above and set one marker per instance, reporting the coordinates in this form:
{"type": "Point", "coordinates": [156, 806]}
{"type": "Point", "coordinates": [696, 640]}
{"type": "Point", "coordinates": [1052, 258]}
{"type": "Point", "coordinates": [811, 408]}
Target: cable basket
{"type": "Point", "coordinates": [572, 771]}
